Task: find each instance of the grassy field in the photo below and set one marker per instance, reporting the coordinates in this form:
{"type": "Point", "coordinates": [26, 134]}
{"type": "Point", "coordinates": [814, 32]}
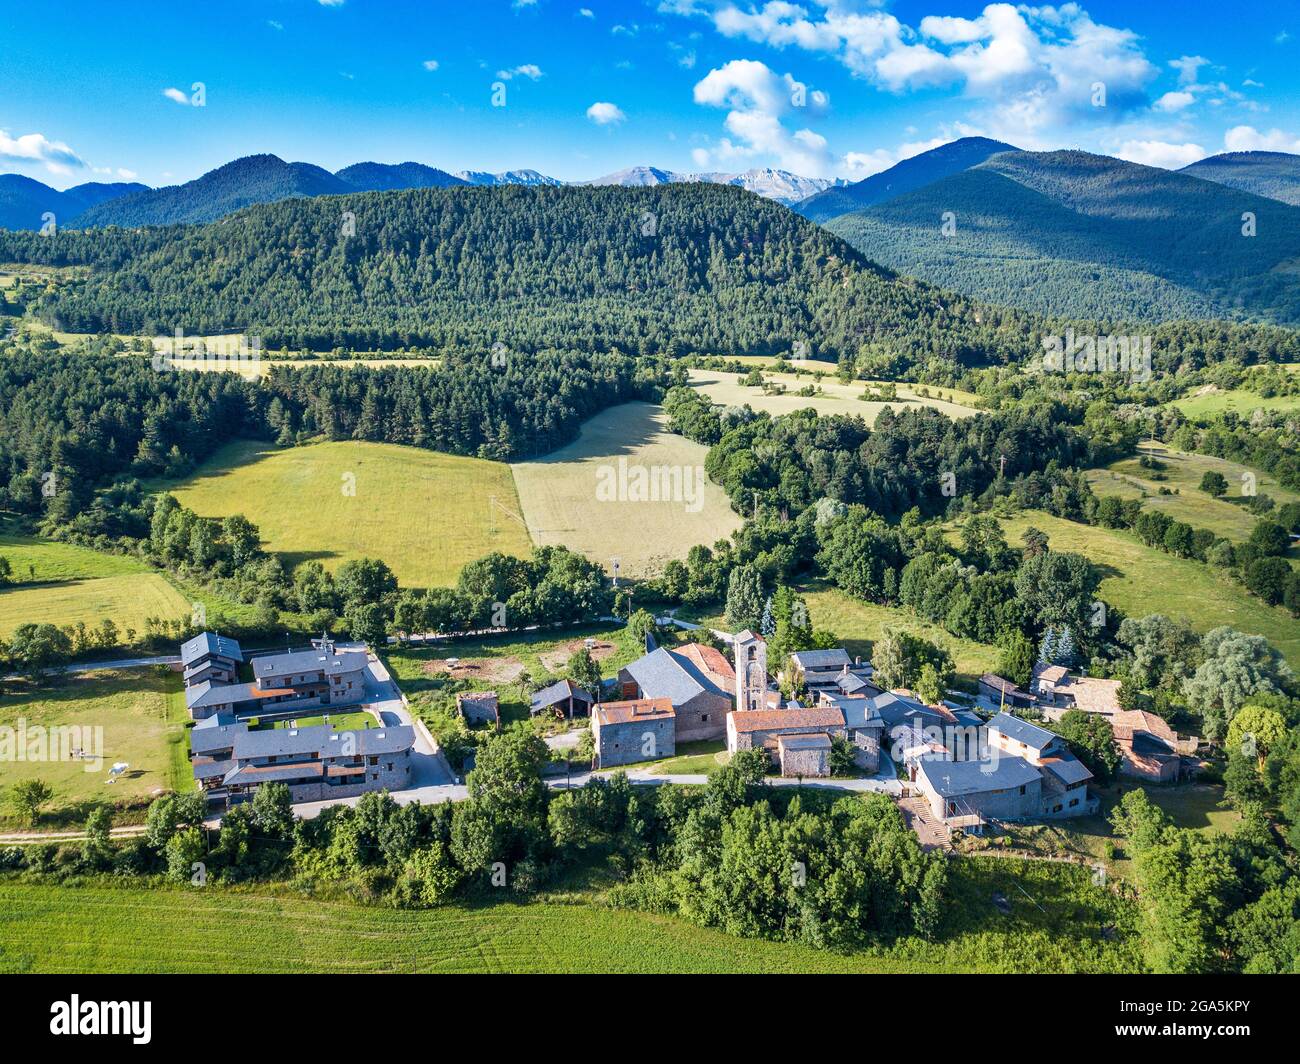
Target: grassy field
{"type": "Point", "coordinates": [61, 584]}
{"type": "Point", "coordinates": [835, 398]}
{"type": "Point", "coordinates": [425, 514]}
{"type": "Point", "coordinates": [1141, 580]}
{"type": "Point", "coordinates": [560, 504]}
{"type": "Point", "coordinates": [1053, 922]}
{"type": "Point", "coordinates": [142, 716]}
{"type": "Point", "coordinates": [1227, 516]}
{"type": "Point", "coordinates": [1207, 404]}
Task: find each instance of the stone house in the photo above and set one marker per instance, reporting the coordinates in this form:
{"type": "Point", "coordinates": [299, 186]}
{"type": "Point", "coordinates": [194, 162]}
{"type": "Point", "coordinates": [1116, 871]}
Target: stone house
{"type": "Point", "coordinates": [804, 755]}
{"type": "Point", "coordinates": [697, 680]}
{"type": "Point", "coordinates": [634, 730]}
{"type": "Point", "coordinates": [210, 657]}
{"type": "Point", "coordinates": [1149, 749]}
{"type": "Point", "coordinates": [230, 761]}
{"type": "Point", "coordinates": [764, 728]}
{"type": "Point", "coordinates": [479, 707]}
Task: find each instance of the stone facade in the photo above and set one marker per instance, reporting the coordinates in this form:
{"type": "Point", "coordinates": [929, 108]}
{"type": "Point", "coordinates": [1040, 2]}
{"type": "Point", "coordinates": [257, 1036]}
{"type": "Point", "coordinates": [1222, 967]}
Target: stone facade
{"type": "Point", "coordinates": [624, 733]}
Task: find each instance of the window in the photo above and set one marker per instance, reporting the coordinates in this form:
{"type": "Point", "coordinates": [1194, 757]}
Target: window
{"type": "Point", "coordinates": [703, 717]}
{"type": "Point", "coordinates": [1074, 802]}
{"type": "Point", "coordinates": [1022, 788]}
{"type": "Point", "coordinates": [1056, 809]}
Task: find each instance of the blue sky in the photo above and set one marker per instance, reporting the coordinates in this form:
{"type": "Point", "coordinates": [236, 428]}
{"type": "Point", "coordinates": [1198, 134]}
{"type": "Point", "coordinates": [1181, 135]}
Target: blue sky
{"type": "Point", "coordinates": [104, 90]}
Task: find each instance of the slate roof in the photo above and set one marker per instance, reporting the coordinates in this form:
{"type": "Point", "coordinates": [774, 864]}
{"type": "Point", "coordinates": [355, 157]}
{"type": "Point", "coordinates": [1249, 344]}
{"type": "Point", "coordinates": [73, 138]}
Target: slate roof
{"type": "Point", "coordinates": [558, 692]}
{"type": "Point", "coordinates": [209, 694]}
{"type": "Point", "coordinates": [209, 740]}
{"type": "Point", "coordinates": [322, 739]}
{"type": "Point", "coordinates": [899, 709]}
{"type": "Point", "coordinates": [1069, 770]}
{"type": "Point", "coordinates": [303, 661]}
{"type": "Point", "coordinates": [858, 712]}
{"type": "Point", "coordinates": [244, 774]}
{"type": "Point", "coordinates": [207, 644]}
{"type": "Point", "coordinates": [1022, 731]}
{"type": "Point", "coordinates": [822, 659]}
{"type": "Point", "coordinates": [999, 684]}
{"type": "Point", "coordinates": [664, 674]}
{"type": "Point", "coordinates": [951, 779]}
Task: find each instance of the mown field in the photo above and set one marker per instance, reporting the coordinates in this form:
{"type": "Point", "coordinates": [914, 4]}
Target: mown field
{"type": "Point", "coordinates": [425, 514]}
{"type": "Point", "coordinates": [558, 493]}
{"type": "Point", "coordinates": [142, 716]}
{"type": "Point", "coordinates": [61, 584]}
{"type": "Point", "coordinates": [1226, 516]}
{"type": "Point", "coordinates": [1141, 580]}
{"type": "Point", "coordinates": [1054, 922]}
{"type": "Point", "coordinates": [834, 397]}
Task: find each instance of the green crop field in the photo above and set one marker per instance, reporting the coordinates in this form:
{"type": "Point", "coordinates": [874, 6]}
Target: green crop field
{"type": "Point", "coordinates": [425, 514]}
{"type": "Point", "coordinates": [1211, 401]}
{"type": "Point", "coordinates": [1141, 580]}
{"type": "Point", "coordinates": [558, 493]}
{"type": "Point", "coordinates": [1053, 922]}
{"type": "Point", "coordinates": [1226, 516]}
{"type": "Point", "coordinates": [61, 584]}
{"type": "Point", "coordinates": [141, 714]}
{"type": "Point", "coordinates": [835, 398]}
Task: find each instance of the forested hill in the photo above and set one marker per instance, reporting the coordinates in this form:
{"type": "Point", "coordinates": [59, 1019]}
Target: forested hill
{"type": "Point", "coordinates": [1274, 174]}
{"type": "Point", "coordinates": [675, 268]}
{"type": "Point", "coordinates": [1079, 235]}
{"type": "Point", "coordinates": [254, 179]}
{"type": "Point", "coordinates": [913, 173]}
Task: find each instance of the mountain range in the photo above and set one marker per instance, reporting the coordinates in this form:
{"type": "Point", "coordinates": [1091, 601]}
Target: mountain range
{"type": "Point", "coordinates": [1273, 174]}
{"type": "Point", "coordinates": [1074, 234]}
{"type": "Point", "coordinates": [25, 202]}
{"type": "Point", "coordinates": [779, 185]}
{"type": "Point", "coordinates": [268, 179]}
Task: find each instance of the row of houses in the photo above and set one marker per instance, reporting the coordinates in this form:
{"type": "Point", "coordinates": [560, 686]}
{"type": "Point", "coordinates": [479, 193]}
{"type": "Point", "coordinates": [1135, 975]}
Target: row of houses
{"type": "Point", "coordinates": [244, 735]}
{"type": "Point", "coordinates": [1149, 749]}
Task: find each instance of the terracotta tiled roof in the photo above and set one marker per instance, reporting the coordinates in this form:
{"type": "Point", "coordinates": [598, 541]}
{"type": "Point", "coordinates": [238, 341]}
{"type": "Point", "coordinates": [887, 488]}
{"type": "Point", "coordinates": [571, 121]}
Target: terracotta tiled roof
{"type": "Point", "coordinates": [635, 710]}
{"type": "Point", "coordinates": [772, 719]}
{"type": "Point", "coordinates": [1126, 724]}
{"type": "Point", "coordinates": [709, 660]}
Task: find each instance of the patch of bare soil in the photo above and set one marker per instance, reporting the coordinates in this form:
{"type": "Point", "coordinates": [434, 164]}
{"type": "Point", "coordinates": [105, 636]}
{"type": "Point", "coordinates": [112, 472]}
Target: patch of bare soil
{"type": "Point", "coordinates": [556, 659]}
{"type": "Point", "coordinates": [490, 670]}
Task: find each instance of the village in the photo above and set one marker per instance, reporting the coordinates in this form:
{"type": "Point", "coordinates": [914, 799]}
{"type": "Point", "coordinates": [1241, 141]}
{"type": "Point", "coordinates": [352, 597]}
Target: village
{"type": "Point", "coordinates": [328, 723]}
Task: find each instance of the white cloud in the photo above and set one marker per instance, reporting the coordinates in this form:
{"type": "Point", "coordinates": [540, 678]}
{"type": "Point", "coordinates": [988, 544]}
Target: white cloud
{"type": "Point", "coordinates": [1174, 101]}
{"type": "Point", "coordinates": [586, 12]}
{"type": "Point", "coordinates": [1188, 68]}
{"type": "Point", "coordinates": [1161, 153]}
{"type": "Point", "coordinates": [757, 99]}
{"type": "Point", "coordinates": [1029, 71]}
{"type": "Point", "coordinates": [605, 114]}
{"type": "Point", "coordinates": [126, 175]}
{"type": "Point", "coordinates": [176, 96]}
{"type": "Point", "coordinates": [1248, 138]}
{"type": "Point", "coordinates": [54, 155]}
{"type": "Point", "coordinates": [430, 64]}
{"type": "Point", "coordinates": [331, 3]}
{"type": "Point", "coordinates": [275, 25]}
{"type": "Point", "coordinates": [524, 70]}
